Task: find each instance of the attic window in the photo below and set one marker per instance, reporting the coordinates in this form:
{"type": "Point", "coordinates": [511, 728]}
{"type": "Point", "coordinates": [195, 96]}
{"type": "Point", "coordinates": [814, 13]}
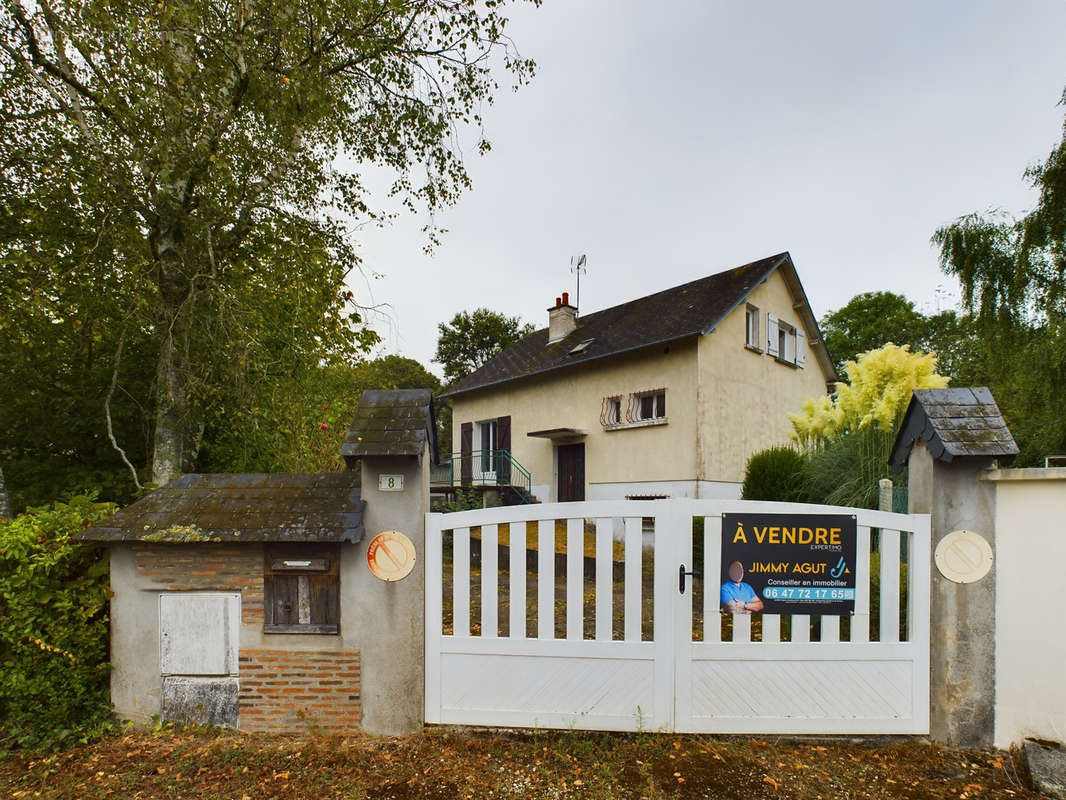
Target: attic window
{"type": "Point", "coordinates": [580, 347]}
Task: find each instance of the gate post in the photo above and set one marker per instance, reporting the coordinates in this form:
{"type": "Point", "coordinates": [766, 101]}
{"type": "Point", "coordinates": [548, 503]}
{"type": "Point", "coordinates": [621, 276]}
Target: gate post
{"type": "Point", "coordinates": [393, 439]}
{"type": "Point", "coordinates": [948, 437]}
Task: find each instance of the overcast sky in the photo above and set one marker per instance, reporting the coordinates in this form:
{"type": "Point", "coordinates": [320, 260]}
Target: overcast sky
{"type": "Point", "coordinates": [671, 140]}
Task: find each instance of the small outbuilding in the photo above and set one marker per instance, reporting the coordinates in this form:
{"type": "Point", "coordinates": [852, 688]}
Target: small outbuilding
{"type": "Point", "coordinates": [245, 599]}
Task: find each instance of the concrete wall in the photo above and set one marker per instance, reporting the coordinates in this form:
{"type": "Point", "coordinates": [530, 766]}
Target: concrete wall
{"type": "Point", "coordinates": [1030, 699]}
{"type": "Point", "coordinates": [745, 396]}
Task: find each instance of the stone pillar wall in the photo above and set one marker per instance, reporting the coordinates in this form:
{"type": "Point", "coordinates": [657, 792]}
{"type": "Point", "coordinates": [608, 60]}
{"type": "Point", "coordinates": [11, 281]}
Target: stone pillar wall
{"type": "Point", "coordinates": [963, 616]}
{"type": "Point", "coordinates": [390, 617]}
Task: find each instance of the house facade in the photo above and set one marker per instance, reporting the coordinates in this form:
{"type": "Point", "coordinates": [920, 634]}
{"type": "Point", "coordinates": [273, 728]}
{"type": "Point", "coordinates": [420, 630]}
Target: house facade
{"type": "Point", "coordinates": [664, 396]}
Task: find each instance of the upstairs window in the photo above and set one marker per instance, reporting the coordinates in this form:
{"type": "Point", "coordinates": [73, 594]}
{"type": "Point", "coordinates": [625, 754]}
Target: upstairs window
{"type": "Point", "coordinates": [301, 589]}
{"type": "Point", "coordinates": [751, 321]}
{"type": "Point", "coordinates": [785, 342]}
{"type": "Point", "coordinates": [612, 411]}
{"type": "Point", "coordinates": [649, 406]}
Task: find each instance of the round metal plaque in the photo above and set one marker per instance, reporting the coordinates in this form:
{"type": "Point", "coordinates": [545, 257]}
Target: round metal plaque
{"type": "Point", "coordinates": [390, 556]}
{"type": "Point", "coordinates": [963, 556]}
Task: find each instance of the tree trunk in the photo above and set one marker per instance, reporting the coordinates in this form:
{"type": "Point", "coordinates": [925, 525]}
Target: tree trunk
{"type": "Point", "coordinates": [170, 397]}
{"type": "Point", "coordinates": [5, 503]}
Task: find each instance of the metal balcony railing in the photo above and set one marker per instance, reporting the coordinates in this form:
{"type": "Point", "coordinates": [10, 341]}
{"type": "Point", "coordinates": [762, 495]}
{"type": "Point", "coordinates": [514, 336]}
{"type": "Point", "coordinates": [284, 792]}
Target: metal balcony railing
{"type": "Point", "coordinates": [482, 468]}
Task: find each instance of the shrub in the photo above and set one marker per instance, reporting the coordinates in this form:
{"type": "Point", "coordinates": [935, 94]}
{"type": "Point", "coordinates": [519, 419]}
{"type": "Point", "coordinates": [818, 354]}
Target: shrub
{"type": "Point", "coordinates": [777, 473]}
{"type": "Point", "coordinates": [53, 627]}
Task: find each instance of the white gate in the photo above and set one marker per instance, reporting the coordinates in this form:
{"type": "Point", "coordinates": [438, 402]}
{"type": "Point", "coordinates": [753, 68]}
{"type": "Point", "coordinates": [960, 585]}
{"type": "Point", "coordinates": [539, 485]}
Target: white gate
{"type": "Point", "coordinates": [573, 616]}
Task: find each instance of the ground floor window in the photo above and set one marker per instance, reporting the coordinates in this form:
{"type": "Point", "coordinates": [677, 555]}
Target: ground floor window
{"type": "Point", "coordinates": [301, 589]}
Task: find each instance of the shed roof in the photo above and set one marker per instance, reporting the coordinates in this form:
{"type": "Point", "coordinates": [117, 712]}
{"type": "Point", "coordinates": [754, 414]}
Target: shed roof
{"type": "Point", "coordinates": [326, 507]}
{"type": "Point", "coordinates": [953, 423]}
{"type": "Point", "coordinates": [682, 312]}
{"type": "Point", "coordinates": [391, 422]}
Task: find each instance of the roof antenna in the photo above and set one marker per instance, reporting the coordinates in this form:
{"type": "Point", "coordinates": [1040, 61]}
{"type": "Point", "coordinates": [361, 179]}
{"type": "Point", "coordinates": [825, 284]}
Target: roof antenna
{"type": "Point", "coordinates": [578, 269]}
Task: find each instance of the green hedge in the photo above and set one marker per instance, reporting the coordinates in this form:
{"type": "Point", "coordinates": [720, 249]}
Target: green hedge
{"type": "Point", "coordinates": [53, 628]}
{"type": "Point", "coordinates": [777, 473]}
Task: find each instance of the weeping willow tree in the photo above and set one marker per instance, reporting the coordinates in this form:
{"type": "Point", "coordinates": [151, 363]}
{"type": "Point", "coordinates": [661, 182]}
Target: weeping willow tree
{"type": "Point", "coordinates": [848, 435]}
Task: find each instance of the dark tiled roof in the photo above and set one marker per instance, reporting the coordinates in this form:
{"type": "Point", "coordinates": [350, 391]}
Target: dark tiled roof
{"type": "Point", "coordinates": [397, 422]}
{"type": "Point", "coordinates": [242, 508]}
{"type": "Point", "coordinates": [679, 313]}
{"type": "Point", "coordinates": [953, 423]}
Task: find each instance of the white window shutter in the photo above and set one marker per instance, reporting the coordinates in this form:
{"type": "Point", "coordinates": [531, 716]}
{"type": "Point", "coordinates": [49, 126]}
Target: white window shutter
{"type": "Point", "coordinates": [771, 335]}
{"type": "Point", "coordinates": [801, 348]}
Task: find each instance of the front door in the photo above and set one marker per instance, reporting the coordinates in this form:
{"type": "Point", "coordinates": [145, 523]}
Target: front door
{"type": "Point", "coordinates": [571, 472]}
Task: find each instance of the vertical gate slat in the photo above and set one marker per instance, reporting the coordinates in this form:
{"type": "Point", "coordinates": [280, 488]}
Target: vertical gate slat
{"type": "Point", "coordinates": [461, 582]}
{"type": "Point", "coordinates": [889, 586]}
{"type": "Point", "coordinates": [434, 614]}
{"type": "Point", "coordinates": [490, 569]}
{"type": "Point", "coordinates": [860, 623]}
{"type": "Point", "coordinates": [742, 627]}
{"type": "Point", "coordinates": [830, 628]}
{"type": "Point", "coordinates": [604, 578]}
{"type": "Point", "coordinates": [575, 579]}
{"type": "Point", "coordinates": [632, 586]}
{"type": "Point", "coordinates": [771, 628]}
{"type": "Point", "coordinates": [801, 627]}
{"type": "Point", "coordinates": [516, 580]}
{"type": "Point", "coordinates": [712, 570]}
{"type": "Point", "coordinates": [546, 579]}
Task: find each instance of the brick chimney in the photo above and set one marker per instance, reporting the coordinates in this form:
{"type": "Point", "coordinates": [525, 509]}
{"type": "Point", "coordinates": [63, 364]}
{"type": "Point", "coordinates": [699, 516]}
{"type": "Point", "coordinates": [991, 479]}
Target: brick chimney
{"type": "Point", "coordinates": [562, 318]}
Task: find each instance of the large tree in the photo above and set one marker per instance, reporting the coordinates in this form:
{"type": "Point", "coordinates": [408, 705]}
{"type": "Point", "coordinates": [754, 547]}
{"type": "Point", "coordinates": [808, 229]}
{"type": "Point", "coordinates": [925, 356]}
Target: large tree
{"type": "Point", "coordinates": [1013, 275]}
{"type": "Point", "coordinates": [473, 337]}
{"type": "Point", "coordinates": [177, 178]}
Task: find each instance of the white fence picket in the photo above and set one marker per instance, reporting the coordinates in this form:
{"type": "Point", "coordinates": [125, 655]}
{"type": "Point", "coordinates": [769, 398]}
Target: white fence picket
{"type": "Point", "coordinates": [575, 579]}
{"type": "Point", "coordinates": [490, 600]}
{"type": "Point", "coordinates": [461, 582]}
{"type": "Point", "coordinates": [633, 547]}
{"type": "Point", "coordinates": [889, 585]}
{"type": "Point", "coordinates": [604, 579]}
{"type": "Point", "coordinates": [546, 579]}
{"type": "Point", "coordinates": [860, 622]}
{"type": "Point", "coordinates": [712, 570]}
{"type": "Point", "coordinates": [516, 580]}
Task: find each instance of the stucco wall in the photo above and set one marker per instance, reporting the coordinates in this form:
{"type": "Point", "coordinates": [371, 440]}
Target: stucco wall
{"type": "Point", "coordinates": [1030, 628]}
{"type": "Point", "coordinates": [745, 396]}
{"type": "Point", "coordinates": [573, 398]}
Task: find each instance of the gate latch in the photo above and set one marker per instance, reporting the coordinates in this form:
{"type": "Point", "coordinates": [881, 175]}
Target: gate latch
{"type": "Point", "coordinates": [681, 573]}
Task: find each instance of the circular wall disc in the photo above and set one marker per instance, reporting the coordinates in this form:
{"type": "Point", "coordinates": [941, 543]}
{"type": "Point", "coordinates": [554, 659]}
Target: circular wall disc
{"type": "Point", "coordinates": [390, 556]}
{"type": "Point", "coordinates": [963, 556]}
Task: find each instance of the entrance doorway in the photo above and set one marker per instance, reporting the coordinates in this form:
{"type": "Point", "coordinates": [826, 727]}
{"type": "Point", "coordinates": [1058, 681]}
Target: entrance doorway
{"type": "Point", "coordinates": [571, 458]}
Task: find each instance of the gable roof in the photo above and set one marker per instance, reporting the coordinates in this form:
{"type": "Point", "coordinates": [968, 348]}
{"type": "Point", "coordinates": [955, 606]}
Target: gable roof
{"type": "Point", "coordinates": [953, 423]}
{"type": "Point", "coordinates": [234, 508]}
{"type": "Point", "coordinates": [391, 422]}
{"type": "Point", "coordinates": [683, 312]}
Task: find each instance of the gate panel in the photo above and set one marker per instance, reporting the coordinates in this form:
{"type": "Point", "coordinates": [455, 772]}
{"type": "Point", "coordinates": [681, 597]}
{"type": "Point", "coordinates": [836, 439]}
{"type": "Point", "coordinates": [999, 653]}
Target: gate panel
{"type": "Point", "coordinates": [570, 615]}
{"type": "Point", "coordinates": [834, 681]}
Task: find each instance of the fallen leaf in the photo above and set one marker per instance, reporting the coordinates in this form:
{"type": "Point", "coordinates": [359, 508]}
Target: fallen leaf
{"type": "Point", "coordinates": [771, 781]}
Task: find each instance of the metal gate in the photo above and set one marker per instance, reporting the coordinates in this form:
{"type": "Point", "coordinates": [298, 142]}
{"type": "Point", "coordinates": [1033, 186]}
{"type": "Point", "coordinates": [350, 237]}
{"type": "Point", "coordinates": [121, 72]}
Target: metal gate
{"type": "Point", "coordinates": [571, 615]}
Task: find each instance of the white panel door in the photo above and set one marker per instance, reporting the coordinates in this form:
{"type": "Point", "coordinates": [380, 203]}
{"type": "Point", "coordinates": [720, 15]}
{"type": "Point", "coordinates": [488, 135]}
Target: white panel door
{"type": "Point", "coordinates": [198, 633]}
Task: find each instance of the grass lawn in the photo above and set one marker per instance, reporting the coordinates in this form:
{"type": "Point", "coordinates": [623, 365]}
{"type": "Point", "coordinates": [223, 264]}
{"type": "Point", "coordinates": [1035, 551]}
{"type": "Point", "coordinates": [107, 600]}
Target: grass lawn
{"type": "Point", "coordinates": [442, 764]}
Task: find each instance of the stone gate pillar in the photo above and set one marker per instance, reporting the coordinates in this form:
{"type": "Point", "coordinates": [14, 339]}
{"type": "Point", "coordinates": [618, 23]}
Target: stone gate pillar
{"type": "Point", "coordinates": [392, 439]}
{"type": "Point", "coordinates": [948, 437]}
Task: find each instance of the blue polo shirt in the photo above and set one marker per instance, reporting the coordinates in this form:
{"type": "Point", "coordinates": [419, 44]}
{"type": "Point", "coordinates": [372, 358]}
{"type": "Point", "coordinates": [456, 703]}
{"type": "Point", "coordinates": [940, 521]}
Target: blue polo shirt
{"type": "Point", "coordinates": [742, 591]}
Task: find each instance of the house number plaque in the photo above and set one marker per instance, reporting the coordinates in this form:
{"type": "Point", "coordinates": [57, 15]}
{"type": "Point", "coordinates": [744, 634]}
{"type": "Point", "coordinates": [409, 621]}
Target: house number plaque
{"type": "Point", "coordinates": [390, 483]}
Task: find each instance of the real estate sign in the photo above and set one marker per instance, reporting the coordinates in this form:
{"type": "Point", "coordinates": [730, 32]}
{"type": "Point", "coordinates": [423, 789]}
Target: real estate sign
{"type": "Point", "coordinates": [788, 563]}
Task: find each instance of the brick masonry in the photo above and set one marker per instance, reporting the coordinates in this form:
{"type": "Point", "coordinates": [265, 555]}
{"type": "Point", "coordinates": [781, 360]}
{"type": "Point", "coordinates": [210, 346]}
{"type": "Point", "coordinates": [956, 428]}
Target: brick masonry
{"type": "Point", "coordinates": [296, 691]}
{"type": "Point", "coordinates": [207, 567]}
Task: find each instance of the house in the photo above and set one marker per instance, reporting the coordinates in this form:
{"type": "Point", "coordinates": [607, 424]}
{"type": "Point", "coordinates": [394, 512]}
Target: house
{"type": "Point", "coordinates": [245, 599]}
{"type": "Point", "coordinates": [664, 396]}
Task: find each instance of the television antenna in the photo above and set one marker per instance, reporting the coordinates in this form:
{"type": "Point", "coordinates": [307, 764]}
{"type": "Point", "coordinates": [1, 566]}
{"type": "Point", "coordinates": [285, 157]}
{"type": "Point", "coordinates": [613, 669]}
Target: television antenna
{"type": "Point", "coordinates": [577, 269]}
